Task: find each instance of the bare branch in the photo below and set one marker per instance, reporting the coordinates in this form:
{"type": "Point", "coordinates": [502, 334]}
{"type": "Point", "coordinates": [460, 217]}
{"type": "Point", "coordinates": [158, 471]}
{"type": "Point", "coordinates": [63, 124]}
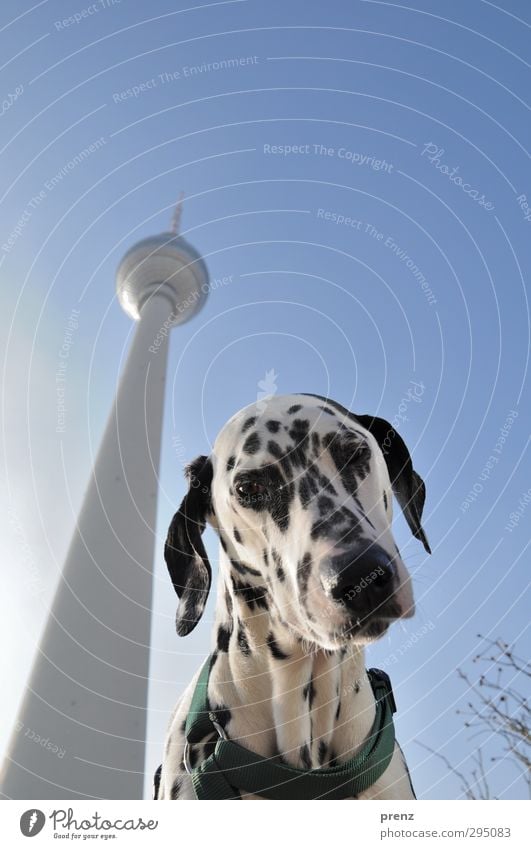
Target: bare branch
{"type": "Point", "coordinates": [497, 711]}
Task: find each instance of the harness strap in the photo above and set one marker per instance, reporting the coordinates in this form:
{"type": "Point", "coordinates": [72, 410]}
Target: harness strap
{"type": "Point", "coordinates": [233, 766]}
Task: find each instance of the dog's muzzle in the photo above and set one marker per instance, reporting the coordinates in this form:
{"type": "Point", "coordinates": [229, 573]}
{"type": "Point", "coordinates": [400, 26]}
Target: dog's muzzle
{"type": "Point", "coordinates": [362, 581]}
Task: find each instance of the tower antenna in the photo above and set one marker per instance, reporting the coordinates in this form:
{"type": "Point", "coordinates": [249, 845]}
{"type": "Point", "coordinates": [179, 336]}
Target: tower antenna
{"type": "Point", "coordinates": [177, 215]}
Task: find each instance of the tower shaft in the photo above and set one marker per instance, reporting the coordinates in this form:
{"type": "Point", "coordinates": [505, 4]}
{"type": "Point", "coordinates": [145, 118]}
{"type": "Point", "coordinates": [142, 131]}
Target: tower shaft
{"type": "Point", "coordinates": [87, 693]}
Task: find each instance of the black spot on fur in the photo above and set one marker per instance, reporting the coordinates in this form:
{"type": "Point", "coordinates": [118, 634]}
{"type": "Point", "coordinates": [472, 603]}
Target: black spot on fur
{"type": "Point", "coordinates": [327, 410]}
{"type": "Point", "coordinates": [333, 761]}
{"type": "Point", "coordinates": [321, 529]}
{"type": "Point", "coordinates": [304, 491]}
{"type": "Point", "coordinates": [223, 638]}
{"type": "Point", "coordinates": [237, 535]}
{"type": "Point", "coordinates": [274, 449]}
{"type": "Point", "coordinates": [294, 409]}
{"type": "Point", "coordinates": [266, 557]}
{"type": "Point", "coordinates": [280, 493]}
{"type": "Point", "coordinates": [305, 757]}
{"type": "Point", "coordinates": [176, 788]}
{"type": "Point", "coordinates": [280, 508]}
{"type": "Point", "coordinates": [325, 505]}
{"type": "Point", "coordinates": [308, 692]}
{"type": "Point", "coordinates": [322, 480]}
{"type": "Point", "coordinates": [316, 481]}
{"type": "Point", "coordinates": [303, 572]}
{"type": "Point", "coordinates": [252, 444]}
{"type": "Point", "coordinates": [338, 709]}
{"type": "Point", "coordinates": [231, 463]}
{"type": "Point", "coordinates": [253, 596]}
{"type": "Point", "coordinates": [341, 521]}
{"type": "Point", "coordinates": [228, 601]}
{"type": "Point", "coordinates": [244, 568]}
{"type": "Point", "coordinates": [299, 433]}
{"type": "Point", "coordinates": [299, 430]}
{"type": "Point", "coordinates": [273, 426]}
{"type": "Point", "coordinates": [281, 575]}
{"type": "Point", "coordinates": [275, 649]}
{"type": "Point", "coordinates": [323, 748]}
{"type": "Point", "coordinates": [351, 457]}
{"type": "Point", "coordinates": [223, 543]}
{"type": "Point", "coordinates": [385, 499]}
{"type": "Point", "coordinates": [282, 496]}
{"type": "Point", "coordinates": [243, 642]}
{"type": "Point", "coordinates": [249, 423]}
{"type": "Point", "coordinates": [284, 460]}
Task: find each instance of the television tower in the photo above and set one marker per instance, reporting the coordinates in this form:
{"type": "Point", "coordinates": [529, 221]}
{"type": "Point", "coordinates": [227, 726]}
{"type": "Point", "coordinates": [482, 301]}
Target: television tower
{"type": "Point", "coordinates": [81, 727]}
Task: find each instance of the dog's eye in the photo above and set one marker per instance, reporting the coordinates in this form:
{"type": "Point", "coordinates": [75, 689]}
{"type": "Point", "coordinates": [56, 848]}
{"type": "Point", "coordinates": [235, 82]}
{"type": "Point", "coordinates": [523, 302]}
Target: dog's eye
{"type": "Point", "coordinates": [250, 492]}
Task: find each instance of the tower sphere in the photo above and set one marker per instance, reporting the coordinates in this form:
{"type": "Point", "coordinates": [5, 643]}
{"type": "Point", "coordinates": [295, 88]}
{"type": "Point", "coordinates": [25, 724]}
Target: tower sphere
{"type": "Point", "coordinates": [168, 265]}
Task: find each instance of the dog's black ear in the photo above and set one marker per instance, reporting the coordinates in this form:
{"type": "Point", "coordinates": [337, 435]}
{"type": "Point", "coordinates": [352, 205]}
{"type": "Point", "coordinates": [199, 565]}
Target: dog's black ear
{"type": "Point", "coordinates": [408, 486]}
{"type": "Point", "coordinates": [184, 551]}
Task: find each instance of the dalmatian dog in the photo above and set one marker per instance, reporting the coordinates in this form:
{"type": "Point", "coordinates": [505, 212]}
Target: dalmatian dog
{"type": "Point", "coordinates": [300, 493]}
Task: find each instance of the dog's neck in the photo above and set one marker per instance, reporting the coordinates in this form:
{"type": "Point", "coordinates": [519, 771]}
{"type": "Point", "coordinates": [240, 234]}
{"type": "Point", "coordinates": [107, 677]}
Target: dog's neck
{"type": "Point", "coordinates": [284, 697]}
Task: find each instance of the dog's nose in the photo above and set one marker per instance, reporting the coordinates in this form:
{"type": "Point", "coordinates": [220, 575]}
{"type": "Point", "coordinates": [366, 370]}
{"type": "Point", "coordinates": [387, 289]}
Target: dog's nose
{"type": "Point", "coordinates": [359, 578]}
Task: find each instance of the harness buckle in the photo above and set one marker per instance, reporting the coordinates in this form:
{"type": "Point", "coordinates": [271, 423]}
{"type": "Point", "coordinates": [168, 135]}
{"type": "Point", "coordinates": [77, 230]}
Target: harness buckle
{"type": "Point", "coordinates": [382, 680]}
{"type": "Point", "coordinates": [219, 728]}
{"type": "Point", "coordinates": [186, 754]}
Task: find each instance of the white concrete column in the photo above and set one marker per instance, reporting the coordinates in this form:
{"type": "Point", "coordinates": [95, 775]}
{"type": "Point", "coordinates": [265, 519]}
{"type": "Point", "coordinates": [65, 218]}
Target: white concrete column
{"type": "Point", "coordinates": [87, 693]}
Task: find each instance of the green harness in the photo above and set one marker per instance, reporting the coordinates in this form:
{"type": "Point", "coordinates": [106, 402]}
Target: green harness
{"type": "Point", "coordinates": [232, 766]}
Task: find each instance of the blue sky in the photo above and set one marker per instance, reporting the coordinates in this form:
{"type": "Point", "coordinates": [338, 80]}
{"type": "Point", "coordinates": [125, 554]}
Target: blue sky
{"type": "Point", "coordinates": [361, 178]}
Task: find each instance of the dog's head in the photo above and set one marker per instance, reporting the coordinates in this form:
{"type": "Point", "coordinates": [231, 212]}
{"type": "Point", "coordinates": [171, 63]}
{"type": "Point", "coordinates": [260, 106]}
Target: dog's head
{"type": "Point", "coordinates": [300, 492]}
